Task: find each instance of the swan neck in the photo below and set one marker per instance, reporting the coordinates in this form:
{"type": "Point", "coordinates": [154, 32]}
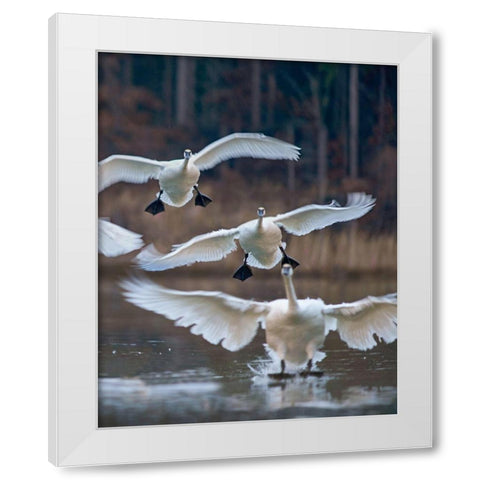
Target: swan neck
{"type": "Point", "coordinates": [260, 222]}
{"type": "Point", "coordinates": [291, 295]}
{"type": "Point", "coordinates": [185, 162]}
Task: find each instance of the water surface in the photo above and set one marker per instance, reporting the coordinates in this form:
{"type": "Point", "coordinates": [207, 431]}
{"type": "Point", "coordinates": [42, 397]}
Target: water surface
{"type": "Point", "coordinates": [152, 373]}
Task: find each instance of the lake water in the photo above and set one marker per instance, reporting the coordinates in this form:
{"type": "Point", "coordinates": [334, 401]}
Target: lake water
{"type": "Point", "coordinates": [152, 373]}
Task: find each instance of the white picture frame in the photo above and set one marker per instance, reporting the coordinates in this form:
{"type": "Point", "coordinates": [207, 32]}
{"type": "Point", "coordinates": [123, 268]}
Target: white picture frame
{"type": "Point", "coordinates": [74, 438]}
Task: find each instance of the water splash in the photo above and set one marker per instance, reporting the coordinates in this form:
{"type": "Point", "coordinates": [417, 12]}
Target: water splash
{"type": "Point", "coordinates": [263, 368]}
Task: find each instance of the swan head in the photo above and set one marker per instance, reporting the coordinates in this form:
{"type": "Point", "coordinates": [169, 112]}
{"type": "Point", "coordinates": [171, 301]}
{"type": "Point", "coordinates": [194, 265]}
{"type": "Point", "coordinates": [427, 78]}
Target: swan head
{"type": "Point", "coordinates": [260, 212]}
{"type": "Point", "coordinates": [287, 270]}
{"type": "Point", "coordinates": [187, 153]}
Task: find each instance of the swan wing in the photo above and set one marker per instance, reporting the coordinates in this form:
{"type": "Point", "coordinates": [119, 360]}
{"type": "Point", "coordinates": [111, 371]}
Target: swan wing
{"type": "Point", "coordinates": [357, 322]}
{"type": "Point", "coordinates": [209, 247]}
{"type": "Point", "coordinates": [216, 316]}
{"type": "Point", "coordinates": [114, 240]}
{"type": "Point", "coordinates": [305, 219]}
{"type": "Point", "coordinates": [237, 145]}
{"type": "Point", "coordinates": [127, 168]}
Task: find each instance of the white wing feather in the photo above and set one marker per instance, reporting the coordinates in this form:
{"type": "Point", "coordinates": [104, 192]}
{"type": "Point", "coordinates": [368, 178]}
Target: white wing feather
{"type": "Point", "coordinates": [209, 247]}
{"type": "Point", "coordinates": [114, 240]}
{"type": "Point", "coordinates": [357, 322]}
{"type": "Point", "coordinates": [215, 316]}
{"type": "Point", "coordinates": [305, 219]}
{"type": "Point", "coordinates": [127, 168]}
{"type": "Point", "coordinates": [237, 145]}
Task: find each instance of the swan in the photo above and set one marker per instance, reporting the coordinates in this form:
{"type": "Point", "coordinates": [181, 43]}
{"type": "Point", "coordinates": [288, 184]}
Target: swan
{"type": "Point", "coordinates": [260, 239]}
{"type": "Point", "coordinates": [114, 240]}
{"type": "Point", "coordinates": [178, 179]}
{"type": "Point", "coordinates": [295, 329]}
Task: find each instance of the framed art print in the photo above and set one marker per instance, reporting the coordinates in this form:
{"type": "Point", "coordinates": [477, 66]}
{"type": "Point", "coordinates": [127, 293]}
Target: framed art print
{"type": "Point", "coordinates": [240, 234]}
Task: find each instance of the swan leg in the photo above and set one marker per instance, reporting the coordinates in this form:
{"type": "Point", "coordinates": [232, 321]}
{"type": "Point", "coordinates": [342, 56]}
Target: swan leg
{"type": "Point", "coordinates": [286, 259]}
{"type": "Point", "coordinates": [156, 206]}
{"type": "Point", "coordinates": [244, 271]}
{"type": "Point", "coordinates": [282, 373]}
{"type": "Point", "coordinates": [201, 200]}
{"type": "Point", "coordinates": [308, 371]}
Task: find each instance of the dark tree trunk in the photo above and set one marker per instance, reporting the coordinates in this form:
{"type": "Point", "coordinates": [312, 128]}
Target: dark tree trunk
{"type": "Point", "coordinates": [353, 153]}
{"type": "Point", "coordinates": [127, 70]}
{"type": "Point", "coordinates": [185, 94]}
{"type": "Point", "coordinates": [168, 89]}
{"type": "Point", "coordinates": [344, 121]}
{"type": "Point", "coordinates": [290, 137]}
{"type": "Point", "coordinates": [272, 96]}
{"type": "Point", "coordinates": [381, 108]}
{"type": "Point", "coordinates": [322, 159]}
{"type": "Point", "coordinates": [353, 121]}
{"type": "Point", "coordinates": [256, 94]}
{"type": "Point", "coordinates": [111, 72]}
{"type": "Point", "coordinates": [321, 139]}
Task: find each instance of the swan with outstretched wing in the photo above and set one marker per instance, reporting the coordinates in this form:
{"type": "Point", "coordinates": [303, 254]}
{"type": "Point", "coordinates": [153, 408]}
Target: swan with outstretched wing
{"type": "Point", "coordinates": [260, 239]}
{"type": "Point", "coordinates": [295, 328]}
{"type": "Point", "coordinates": [178, 179]}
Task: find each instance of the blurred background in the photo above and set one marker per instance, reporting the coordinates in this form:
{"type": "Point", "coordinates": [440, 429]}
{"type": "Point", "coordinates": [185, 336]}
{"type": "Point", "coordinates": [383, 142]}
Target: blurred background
{"type": "Point", "coordinates": [343, 117]}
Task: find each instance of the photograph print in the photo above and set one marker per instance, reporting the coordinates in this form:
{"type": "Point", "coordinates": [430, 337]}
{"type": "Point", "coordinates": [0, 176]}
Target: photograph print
{"type": "Point", "coordinates": [247, 239]}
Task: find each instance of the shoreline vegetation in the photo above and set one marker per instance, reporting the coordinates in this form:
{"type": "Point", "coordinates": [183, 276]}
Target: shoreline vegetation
{"type": "Point", "coordinates": [357, 247]}
{"type": "Point", "coordinates": [322, 254]}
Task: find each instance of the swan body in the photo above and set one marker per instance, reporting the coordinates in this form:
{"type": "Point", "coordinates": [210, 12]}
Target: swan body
{"type": "Point", "coordinates": [295, 334]}
{"type": "Point", "coordinates": [260, 239]}
{"type": "Point", "coordinates": [295, 329]}
{"type": "Point", "coordinates": [114, 240]}
{"type": "Point", "coordinates": [177, 182]}
{"type": "Point", "coordinates": [178, 178]}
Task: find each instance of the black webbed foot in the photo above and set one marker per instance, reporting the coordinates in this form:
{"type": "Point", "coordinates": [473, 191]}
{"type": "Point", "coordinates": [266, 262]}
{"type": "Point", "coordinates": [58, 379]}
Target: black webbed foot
{"type": "Point", "coordinates": [244, 271]}
{"type": "Point", "coordinates": [286, 259]}
{"type": "Point", "coordinates": [282, 375]}
{"type": "Point", "coordinates": [308, 371]}
{"type": "Point", "coordinates": [311, 373]}
{"type": "Point", "coordinates": [291, 261]}
{"type": "Point", "coordinates": [201, 200]}
{"type": "Point", "coordinates": [156, 206]}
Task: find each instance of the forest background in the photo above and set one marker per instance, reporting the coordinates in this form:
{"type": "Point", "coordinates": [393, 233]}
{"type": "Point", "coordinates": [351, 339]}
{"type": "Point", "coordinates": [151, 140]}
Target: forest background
{"type": "Point", "coordinates": [342, 116]}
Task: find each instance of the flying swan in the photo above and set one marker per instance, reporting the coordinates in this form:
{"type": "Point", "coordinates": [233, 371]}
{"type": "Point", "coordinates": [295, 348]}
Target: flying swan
{"type": "Point", "coordinates": [178, 178]}
{"type": "Point", "coordinates": [295, 329]}
{"type": "Point", "coordinates": [260, 239]}
{"type": "Point", "coordinates": [114, 240]}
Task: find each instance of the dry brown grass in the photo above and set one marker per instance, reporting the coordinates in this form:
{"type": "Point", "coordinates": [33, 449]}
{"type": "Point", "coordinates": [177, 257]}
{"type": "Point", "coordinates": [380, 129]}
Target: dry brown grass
{"type": "Point", "coordinates": [345, 250]}
{"type": "Point", "coordinates": [341, 248]}
{"type": "Point", "coordinates": [344, 247]}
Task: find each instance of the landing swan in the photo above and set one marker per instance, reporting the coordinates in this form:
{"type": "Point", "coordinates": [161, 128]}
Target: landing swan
{"type": "Point", "coordinates": [114, 240]}
{"type": "Point", "coordinates": [295, 329]}
{"type": "Point", "coordinates": [179, 178]}
{"type": "Point", "coordinates": [260, 239]}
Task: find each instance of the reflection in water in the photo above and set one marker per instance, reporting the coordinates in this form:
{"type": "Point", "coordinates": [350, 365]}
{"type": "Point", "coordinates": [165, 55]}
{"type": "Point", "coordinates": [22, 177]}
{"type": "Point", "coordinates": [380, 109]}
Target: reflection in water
{"type": "Point", "coordinates": [151, 372]}
{"type": "Point", "coordinates": [130, 400]}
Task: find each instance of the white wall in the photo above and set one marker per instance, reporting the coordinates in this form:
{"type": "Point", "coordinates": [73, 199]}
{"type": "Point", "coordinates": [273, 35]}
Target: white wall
{"type": "Point", "coordinates": [23, 210]}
